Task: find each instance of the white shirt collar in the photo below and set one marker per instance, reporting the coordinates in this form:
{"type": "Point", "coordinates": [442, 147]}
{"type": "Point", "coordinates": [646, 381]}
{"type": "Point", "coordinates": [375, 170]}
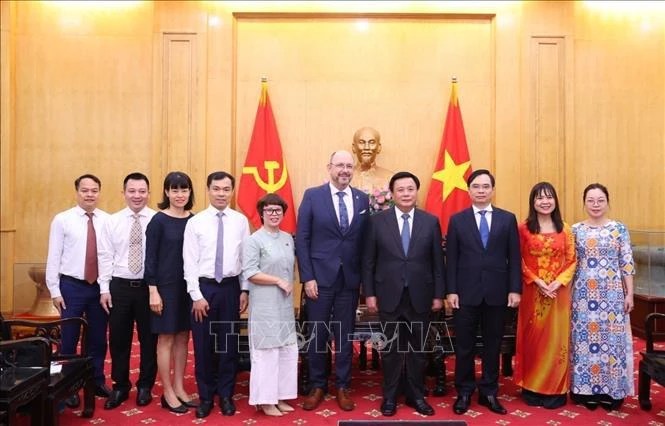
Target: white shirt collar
{"type": "Point", "coordinates": [334, 190]}
{"type": "Point", "coordinates": [399, 214]}
{"type": "Point", "coordinates": [476, 209]}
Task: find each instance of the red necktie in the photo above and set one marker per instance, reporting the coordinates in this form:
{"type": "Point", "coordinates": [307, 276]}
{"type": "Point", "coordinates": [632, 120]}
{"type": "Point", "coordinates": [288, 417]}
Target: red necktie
{"type": "Point", "coordinates": [90, 272]}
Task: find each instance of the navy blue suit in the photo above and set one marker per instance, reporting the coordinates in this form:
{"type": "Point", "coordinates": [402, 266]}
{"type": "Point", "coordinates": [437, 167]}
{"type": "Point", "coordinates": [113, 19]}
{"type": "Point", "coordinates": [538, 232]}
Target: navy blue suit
{"type": "Point", "coordinates": [332, 258]}
{"type": "Point", "coordinates": [404, 311]}
{"type": "Point", "coordinates": [482, 278]}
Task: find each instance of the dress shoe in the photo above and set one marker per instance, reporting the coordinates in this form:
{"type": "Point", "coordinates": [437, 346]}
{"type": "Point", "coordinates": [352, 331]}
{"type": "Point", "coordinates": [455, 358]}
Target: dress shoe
{"type": "Point", "coordinates": [180, 409]}
{"type": "Point", "coordinates": [462, 404]}
{"type": "Point", "coordinates": [344, 400]}
{"type": "Point", "coordinates": [491, 402]}
{"type": "Point", "coordinates": [228, 408]}
{"type": "Point", "coordinates": [284, 407]}
{"type": "Point", "coordinates": [117, 397]}
{"type": "Point", "coordinates": [269, 410]}
{"type": "Point", "coordinates": [421, 406]}
{"type": "Point", "coordinates": [204, 408]}
{"type": "Point", "coordinates": [73, 401]}
{"type": "Point", "coordinates": [102, 390]}
{"type": "Point", "coordinates": [313, 399]}
{"type": "Point", "coordinates": [388, 407]}
{"type": "Point", "coordinates": [143, 397]}
{"type": "Point", "coordinates": [188, 404]}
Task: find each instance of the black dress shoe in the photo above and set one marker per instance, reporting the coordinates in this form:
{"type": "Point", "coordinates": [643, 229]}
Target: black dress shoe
{"type": "Point", "coordinates": [117, 397]}
{"type": "Point", "coordinates": [143, 397]}
{"type": "Point", "coordinates": [462, 404]}
{"type": "Point", "coordinates": [204, 408]}
{"type": "Point", "coordinates": [102, 390]}
{"type": "Point", "coordinates": [421, 406]}
{"type": "Point", "coordinates": [228, 408]}
{"type": "Point", "coordinates": [491, 402]}
{"type": "Point", "coordinates": [73, 401]}
{"type": "Point", "coordinates": [388, 407]}
{"type": "Point", "coordinates": [188, 404]}
{"type": "Point", "coordinates": [180, 409]}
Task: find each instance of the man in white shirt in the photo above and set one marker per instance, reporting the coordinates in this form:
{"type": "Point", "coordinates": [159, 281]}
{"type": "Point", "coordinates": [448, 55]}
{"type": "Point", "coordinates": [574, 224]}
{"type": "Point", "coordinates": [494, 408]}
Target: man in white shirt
{"type": "Point", "coordinates": [124, 294]}
{"type": "Point", "coordinates": [72, 271]}
{"type": "Point", "coordinates": [212, 272]}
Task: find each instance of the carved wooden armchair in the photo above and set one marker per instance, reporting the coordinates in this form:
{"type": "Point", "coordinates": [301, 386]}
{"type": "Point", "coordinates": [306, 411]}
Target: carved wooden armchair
{"type": "Point", "coordinates": [652, 364]}
{"type": "Point", "coordinates": [76, 371]}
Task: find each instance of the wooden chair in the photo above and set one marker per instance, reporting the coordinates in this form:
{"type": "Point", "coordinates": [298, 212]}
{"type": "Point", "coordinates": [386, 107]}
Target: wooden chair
{"type": "Point", "coordinates": [24, 376]}
{"type": "Point", "coordinates": [652, 364]}
{"type": "Point", "coordinates": [76, 370]}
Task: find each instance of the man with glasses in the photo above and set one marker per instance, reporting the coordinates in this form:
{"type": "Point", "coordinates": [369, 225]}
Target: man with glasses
{"type": "Point", "coordinates": [331, 223]}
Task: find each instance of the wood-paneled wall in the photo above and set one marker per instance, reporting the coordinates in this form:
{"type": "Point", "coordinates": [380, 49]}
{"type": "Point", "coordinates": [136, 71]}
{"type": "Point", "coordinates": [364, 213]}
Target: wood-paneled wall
{"type": "Point", "coordinates": [560, 91]}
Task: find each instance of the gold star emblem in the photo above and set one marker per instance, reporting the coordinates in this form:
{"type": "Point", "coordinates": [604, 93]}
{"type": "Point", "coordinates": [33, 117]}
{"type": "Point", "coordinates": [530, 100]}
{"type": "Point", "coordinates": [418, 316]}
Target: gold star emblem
{"type": "Point", "coordinates": [452, 175]}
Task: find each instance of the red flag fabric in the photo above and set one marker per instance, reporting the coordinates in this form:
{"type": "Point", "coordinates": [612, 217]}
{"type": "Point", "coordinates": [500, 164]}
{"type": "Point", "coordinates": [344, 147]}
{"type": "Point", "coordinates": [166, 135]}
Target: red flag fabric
{"type": "Point", "coordinates": [265, 169]}
{"type": "Point", "coordinates": [448, 192]}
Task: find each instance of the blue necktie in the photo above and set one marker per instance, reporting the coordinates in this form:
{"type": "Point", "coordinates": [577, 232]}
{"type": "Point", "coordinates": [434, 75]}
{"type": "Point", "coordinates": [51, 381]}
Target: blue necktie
{"type": "Point", "coordinates": [484, 228]}
{"type": "Point", "coordinates": [343, 213]}
{"type": "Point", "coordinates": [406, 234]}
{"type": "Point", "coordinates": [219, 255]}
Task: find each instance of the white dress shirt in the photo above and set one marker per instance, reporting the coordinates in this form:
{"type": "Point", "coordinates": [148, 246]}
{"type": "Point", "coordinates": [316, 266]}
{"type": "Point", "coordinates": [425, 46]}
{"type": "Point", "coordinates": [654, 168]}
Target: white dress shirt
{"type": "Point", "coordinates": [400, 220]}
{"type": "Point", "coordinates": [113, 248]}
{"type": "Point", "coordinates": [488, 215]}
{"type": "Point", "coordinates": [348, 201]}
{"type": "Point", "coordinates": [67, 244]}
{"type": "Point", "coordinates": [200, 247]}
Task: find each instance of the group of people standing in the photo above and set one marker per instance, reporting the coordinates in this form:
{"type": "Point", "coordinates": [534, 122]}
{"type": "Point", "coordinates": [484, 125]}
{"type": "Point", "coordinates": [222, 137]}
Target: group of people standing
{"type": "Point", "coordinates": [172, 272]}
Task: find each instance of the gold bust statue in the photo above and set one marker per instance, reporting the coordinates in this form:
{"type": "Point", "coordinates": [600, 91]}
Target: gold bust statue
{"type": "Point", "coordinates": [367, 175]}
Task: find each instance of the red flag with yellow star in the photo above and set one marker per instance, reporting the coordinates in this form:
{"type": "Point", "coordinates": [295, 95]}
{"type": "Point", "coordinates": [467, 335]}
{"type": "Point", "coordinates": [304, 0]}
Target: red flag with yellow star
{"type": "Point", "coordinates": [265, 168]}
{"type": "Point", "coordinates": [448, 192]}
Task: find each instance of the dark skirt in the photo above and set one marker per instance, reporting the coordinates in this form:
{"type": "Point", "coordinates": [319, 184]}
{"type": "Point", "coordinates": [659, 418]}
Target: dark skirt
{"type": "Point", "coordinates": [176, 311]}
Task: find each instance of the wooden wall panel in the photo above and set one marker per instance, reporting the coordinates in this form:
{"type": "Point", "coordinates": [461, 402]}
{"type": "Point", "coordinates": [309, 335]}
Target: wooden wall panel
{"type": "Point", "coordinates": [546, 141]}
{"type": "Point", "coordinates": [179, 118]}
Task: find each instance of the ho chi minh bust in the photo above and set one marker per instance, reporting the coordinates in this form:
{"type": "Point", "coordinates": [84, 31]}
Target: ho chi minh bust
{"type": "Point", "coordinates": [367, 174]}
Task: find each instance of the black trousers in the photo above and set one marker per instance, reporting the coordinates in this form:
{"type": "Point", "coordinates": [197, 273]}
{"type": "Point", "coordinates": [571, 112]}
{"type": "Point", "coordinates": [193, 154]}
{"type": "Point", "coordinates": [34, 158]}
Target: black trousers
{"type": "Point", "coordinates": [406, 331]}
{"type": "Point", "coordinates": [466, 320]}
{"type": "Point", "coordinates": [131, 303]}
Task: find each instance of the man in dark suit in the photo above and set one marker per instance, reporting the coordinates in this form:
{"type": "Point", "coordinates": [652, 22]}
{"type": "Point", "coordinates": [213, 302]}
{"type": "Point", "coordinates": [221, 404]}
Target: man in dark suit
{"type": "Point", "coordinates": [403, 281]}
{"type": "Point", "coordinates": [331, 223]}
{"type": "Point", "coordinates": [483, 266]}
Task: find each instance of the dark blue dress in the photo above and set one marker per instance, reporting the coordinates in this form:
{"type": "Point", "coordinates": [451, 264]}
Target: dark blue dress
{"type": "Point", "coordinates": [164, 269]}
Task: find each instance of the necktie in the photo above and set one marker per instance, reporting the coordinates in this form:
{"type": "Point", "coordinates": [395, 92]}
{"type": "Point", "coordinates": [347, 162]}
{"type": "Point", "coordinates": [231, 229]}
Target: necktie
{"type": "Point", "coordinates": [219, 256]}
{"type": "Point", "coordinates": [343, 213]}
{"type": "Point", "coordinates": [406, 233]}
{"type": "Point", "coordinates": [90, 271]}
{"type": "Point", "coordinates": [484, 228]}
{"type": "Point", "coordinates": [135, 257]}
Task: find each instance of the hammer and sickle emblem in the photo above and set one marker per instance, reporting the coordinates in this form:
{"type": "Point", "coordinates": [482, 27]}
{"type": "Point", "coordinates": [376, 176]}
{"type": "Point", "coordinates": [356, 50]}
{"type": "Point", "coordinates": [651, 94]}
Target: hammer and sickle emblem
{"type": "Point", "coordinates": [270, 186]}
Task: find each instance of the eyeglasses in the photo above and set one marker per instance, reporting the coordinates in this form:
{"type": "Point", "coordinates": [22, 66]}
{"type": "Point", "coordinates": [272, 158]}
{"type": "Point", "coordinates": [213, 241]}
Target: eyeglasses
{"type": "Point", "coordinates": [343, 166]}
{"type": "Point", "coordinates": [273, 212]}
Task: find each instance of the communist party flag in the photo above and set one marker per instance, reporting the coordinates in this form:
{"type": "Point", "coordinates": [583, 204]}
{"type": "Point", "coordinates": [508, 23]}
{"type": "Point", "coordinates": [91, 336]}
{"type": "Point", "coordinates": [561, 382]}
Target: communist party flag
{"type": "Point", "coordinates": [265, 168]}
{"type": "Point", "coordinates": [448, 192]}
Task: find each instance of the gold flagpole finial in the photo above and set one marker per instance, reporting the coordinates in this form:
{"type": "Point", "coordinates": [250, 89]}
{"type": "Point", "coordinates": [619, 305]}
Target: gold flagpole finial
{"type": "Point", "coordinates": [453, 94]}
{"type": "Point", "coordinates": [264, 90]}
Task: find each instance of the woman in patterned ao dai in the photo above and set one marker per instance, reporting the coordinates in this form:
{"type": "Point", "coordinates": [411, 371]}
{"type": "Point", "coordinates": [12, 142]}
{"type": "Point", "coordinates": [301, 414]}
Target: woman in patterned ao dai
{"type": "Point", "coordinates": [601, 341]}
{"type": "Point", "coordinates": [543, 326]}
{"type": "Point", "coordinates": [268, 263]}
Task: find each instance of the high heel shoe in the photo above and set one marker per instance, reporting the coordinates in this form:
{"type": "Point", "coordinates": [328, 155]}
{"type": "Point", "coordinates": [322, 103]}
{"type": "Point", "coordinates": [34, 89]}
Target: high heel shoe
{"type": "Point", "coordinates": [284, 407]}
{"type": "Point", "coordinates": [181, 409]}
{"type": "Point", "coordinates": [269, 410]}
{"type": "Point", "coordinates": [188, 404]}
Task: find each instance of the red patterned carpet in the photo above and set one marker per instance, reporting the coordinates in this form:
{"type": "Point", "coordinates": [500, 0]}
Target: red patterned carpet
{"type": "Point", "coordinates": [367, 394]}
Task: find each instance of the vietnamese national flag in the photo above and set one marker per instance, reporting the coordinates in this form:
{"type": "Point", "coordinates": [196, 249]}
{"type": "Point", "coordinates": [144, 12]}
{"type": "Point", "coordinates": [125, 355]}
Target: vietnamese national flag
{"type": "Point", "coordinates": [265, 168]}
{"type": "Point", "coordinates": [448, 192]}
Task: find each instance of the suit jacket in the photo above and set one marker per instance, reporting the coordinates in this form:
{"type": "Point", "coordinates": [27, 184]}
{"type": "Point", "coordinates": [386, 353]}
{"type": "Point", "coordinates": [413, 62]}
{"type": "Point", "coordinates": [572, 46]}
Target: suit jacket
{"type": "Point", "coordinates": [385, 266]}
{"type": "Point", "coordinates": [321, 247]}
{"type": "Point", "coordinates": [475, 273]}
